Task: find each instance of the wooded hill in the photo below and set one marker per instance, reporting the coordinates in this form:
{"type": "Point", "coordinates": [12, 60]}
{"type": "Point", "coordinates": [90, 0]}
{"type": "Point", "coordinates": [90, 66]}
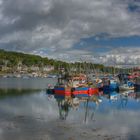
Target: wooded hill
{"type": "Point", "coordinates": [12, 59]}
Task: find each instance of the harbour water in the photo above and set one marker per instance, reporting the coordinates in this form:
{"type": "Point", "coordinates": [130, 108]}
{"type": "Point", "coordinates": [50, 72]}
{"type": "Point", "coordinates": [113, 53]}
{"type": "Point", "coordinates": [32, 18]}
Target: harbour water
{"type": "Point", "coordinates": [28, 113]}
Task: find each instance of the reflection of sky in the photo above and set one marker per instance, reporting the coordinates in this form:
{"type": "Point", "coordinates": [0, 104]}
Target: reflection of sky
{"type": "Point", "coordinates": [26, 83]}
{"type": "Point", "coordinates": [30, 105]}
{"type": "Point", "coordinates": [39, 103]}
{"type": "Point", "coordinates": [129, 104]}
{"type": "Point", "coordinates": [108, 115]}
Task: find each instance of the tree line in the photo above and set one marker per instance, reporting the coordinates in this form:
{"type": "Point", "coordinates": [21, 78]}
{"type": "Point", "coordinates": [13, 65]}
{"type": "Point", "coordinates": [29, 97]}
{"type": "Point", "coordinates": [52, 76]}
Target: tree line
{"type": "Point", "coordinates": [12, 59]}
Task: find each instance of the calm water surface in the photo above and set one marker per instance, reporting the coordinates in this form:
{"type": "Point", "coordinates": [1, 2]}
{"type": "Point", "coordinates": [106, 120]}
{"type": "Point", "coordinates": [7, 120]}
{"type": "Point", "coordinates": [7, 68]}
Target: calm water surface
{"type": "Point", "coordinates": [28, 113]}
{"type": "Point", "coordinates": [26, 83]}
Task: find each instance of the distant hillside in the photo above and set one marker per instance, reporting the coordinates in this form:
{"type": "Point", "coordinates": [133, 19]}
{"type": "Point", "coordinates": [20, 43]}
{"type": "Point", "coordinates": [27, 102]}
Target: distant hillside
{"type": "Point", "coordinates": [12, 59]}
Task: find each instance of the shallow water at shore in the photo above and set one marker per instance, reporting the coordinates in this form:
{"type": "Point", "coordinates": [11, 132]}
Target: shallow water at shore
{"type": "Point", "coordinates": [34, 115]}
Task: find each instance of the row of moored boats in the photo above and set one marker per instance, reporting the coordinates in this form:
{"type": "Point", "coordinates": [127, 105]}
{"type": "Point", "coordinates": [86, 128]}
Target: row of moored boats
{"type": "Point", "coordinates": [81, 85]}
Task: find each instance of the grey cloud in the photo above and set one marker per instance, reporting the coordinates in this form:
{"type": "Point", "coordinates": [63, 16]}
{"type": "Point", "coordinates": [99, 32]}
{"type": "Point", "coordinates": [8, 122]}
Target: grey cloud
{"type": "Point", "coordinates": [58, 24]}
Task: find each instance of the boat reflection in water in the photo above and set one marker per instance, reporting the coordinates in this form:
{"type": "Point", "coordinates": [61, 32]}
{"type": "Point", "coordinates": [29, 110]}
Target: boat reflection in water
{"type": "Point", "coordinates": [68, 103]}
{"type": "Point", "coordinates": [89, 105]}
{"type": "Point", "coordinates": [123, 98]}
{"type": "Point", "coordinates": [64, 106]}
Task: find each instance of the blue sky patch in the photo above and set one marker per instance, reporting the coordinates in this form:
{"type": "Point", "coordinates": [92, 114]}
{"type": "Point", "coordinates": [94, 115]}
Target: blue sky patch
{"type": "Point", "coordinates": [102, 44]}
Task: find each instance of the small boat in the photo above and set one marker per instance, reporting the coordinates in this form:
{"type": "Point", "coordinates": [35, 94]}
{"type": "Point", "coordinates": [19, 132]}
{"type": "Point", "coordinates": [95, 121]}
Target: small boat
{"type": "Point", "coordinates": [52, 76]}
{"type": "Point", "coordinates": [128, 86]}
{"type": "Point", "coordinates": [50, 89]}
{"type": "Point", "coordinates": [110, 85]}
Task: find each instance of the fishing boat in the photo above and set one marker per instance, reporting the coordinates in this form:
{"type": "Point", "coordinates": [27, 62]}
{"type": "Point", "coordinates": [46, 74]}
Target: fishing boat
{"type": "Point", "coordinates": [110, 85]}
{"type": "Point", "coordinates": [137, 84]}
{"type": "Point", "coordinates": [128, 86]}
{"type": "Point", "coordinates": [123, 77]}
{"type": "Point", "coordinates": [76, 85]}
{"type": "Point", "coordinates": [82, 87]}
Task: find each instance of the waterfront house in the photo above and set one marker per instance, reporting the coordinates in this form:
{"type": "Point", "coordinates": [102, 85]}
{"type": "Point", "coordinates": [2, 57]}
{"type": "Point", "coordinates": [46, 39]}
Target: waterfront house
{"type": "Point", "coordinates": [34, 68]}
{"type": "Point", "coordinates": [48, 68]}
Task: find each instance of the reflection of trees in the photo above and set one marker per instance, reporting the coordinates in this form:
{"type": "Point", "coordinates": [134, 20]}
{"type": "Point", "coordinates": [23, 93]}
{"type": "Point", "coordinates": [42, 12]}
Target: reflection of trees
{"type": "Point", "coordinates": [16, 92]}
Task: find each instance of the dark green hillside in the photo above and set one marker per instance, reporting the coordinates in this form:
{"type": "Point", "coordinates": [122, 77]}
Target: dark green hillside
{"type": "Point", "coordinates": [13, 59]}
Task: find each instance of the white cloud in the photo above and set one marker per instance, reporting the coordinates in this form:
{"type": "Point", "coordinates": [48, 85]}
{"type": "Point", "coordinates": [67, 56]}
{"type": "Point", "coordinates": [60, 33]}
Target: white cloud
{"type": "Point", "coordinates": [56, 25]}
{"type": "Point", "coordinates": [122, 56]}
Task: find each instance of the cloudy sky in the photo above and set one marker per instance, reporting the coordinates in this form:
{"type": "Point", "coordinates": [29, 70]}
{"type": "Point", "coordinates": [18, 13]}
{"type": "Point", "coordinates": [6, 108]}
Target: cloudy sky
{"type": "Point", "coordinates": [104, 31]}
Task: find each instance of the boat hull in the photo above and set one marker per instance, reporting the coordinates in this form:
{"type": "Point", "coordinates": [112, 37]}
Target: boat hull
{"type": "Point", "coordinates": [76, 92]}
{"type": "Point", "coordinates": [50, 91]}
{"type": "Point", "coordinates": [80, 92]}
{"type": "Point", "coordinates": [62, 91]}
{"type": "Point", "coordinates": [109, 88]}
{"type": "Point", "coordinates": [137, 87]}
{"type": "Point", "coordinates": [85, 91]}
